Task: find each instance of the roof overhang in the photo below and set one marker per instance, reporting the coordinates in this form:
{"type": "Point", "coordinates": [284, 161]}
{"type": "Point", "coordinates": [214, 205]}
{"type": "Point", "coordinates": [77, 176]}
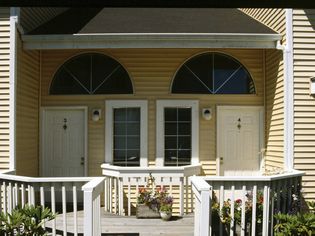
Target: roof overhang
{"type": "Point", "coordinates": [151, 40]}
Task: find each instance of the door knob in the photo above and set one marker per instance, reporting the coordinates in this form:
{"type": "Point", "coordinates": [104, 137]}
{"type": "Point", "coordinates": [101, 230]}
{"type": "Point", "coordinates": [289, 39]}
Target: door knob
{"type": "Point", "coordinates": [221, 160]}
{"type": "Point", "coordinates": [82, 161]}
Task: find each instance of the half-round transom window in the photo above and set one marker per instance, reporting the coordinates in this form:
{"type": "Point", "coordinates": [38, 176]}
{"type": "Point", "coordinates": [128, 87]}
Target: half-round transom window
{"type": "Point", "coordinates": [91, 73]}
{"type": "Point", "coordinates": [213, 73]}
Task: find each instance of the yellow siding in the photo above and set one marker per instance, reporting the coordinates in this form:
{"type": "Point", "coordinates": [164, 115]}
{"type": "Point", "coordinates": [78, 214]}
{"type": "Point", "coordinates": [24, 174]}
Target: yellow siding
{"type": "Point", "coordinates": [274, 19]}
{"type": "Point", "coordinates": [4, 86]}
{"type": "Point", "coordinates": [304, 104]}
{"type": "Point", "coordinates": [152, 71]}
{"type": "Point", "coordinates": [27, 109]}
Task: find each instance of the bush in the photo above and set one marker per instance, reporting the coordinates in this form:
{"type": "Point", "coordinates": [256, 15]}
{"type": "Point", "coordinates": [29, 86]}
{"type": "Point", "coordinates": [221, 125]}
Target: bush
{"type": "Point", "coordinates": [28, 220]}
{"type": "Point", "coordinates": [299, 224]}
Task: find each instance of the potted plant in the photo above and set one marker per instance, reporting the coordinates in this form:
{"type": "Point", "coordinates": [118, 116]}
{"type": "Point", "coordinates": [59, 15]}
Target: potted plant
{"type": "Point", "coordinates": [165, 203]}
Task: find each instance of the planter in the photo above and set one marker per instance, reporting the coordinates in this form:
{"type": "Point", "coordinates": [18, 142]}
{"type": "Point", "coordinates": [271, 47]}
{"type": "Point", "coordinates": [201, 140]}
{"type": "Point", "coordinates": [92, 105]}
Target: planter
{"type": "Point", "coordinates": [144, 211]}
{"type": "Point", "coordinates": [166, 215]}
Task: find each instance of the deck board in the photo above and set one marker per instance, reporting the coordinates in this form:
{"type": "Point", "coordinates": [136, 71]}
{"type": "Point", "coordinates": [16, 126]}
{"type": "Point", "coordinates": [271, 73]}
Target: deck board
{"type": "Point", "coordinates": [123, 225]}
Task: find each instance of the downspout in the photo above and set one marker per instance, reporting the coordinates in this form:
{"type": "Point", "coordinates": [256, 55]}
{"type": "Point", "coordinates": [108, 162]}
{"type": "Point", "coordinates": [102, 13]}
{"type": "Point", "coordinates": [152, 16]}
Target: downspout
{"type": "Point", "coordinates": [14, 13]}
{"type": "Point", "coordinates": [288, 93]}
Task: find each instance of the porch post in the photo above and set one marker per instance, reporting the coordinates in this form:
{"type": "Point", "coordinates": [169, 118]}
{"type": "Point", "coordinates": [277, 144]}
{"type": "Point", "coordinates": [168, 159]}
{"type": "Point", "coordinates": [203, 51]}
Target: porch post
{"type": "Point", "coordinates": [288, 95]}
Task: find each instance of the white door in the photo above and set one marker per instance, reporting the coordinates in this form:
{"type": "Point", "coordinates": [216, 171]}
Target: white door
{"type": "Point", "coordinates": [63, 142]}
{"type": "Point", "coordinates": [239, 140]}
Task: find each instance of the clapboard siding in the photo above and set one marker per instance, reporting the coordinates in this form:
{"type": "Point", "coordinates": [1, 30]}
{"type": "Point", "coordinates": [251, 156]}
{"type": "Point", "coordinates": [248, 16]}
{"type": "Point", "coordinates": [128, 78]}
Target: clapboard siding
{"type": "Point", "coordinates": [152, 71]}
{"type": "Point", "coordinates": [32, 17]}
{"type": "Point", "coordinates": [4, 87]}
{"type": "Point", "coordinates": [304, 104]}
{"type": "Point", "coordinates": [27, 108]}
{"type": "Point", "coordinates": [274, 19]}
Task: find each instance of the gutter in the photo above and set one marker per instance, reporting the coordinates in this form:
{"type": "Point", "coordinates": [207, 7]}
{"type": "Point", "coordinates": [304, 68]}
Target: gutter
{"type": "Point", "coordinates": [287, 50]}
{"type": "Point", "coordinates": [151, 40]}
{"type": "Point", "coordinates": [14, 12]}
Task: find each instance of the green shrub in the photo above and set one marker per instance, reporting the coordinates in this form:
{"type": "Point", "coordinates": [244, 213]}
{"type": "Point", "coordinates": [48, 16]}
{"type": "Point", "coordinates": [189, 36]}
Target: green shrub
{"type": "Point", "coordinates": [25, 221]}
{"type": "Point", "coordinates": [298, 224]}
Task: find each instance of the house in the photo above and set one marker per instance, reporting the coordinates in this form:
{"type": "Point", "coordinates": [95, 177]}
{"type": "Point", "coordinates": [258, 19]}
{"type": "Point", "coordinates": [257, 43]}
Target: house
{"type": "Point", "coordinates": [226, 91]}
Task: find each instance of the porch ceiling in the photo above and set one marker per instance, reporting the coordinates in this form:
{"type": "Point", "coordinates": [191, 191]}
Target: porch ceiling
{"type": "Point", "coordinates": [151, 27]}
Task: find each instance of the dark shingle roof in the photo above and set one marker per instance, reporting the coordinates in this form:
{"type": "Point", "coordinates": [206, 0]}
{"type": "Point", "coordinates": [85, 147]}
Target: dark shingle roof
{"type": "Point", "coordinates": [151, 20]}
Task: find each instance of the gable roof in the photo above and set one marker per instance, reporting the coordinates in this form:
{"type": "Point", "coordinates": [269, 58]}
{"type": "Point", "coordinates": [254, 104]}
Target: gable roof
{"type": "Point", "coordinates": [81, 24]}
{"type": "Point", "coordinates": [152, 20]}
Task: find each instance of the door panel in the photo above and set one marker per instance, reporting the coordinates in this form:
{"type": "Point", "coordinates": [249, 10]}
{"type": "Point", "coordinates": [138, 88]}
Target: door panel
{"type": "Point", "coordinates": [238, 140]}
{"type": "Point", "coordinates": [63, 143]}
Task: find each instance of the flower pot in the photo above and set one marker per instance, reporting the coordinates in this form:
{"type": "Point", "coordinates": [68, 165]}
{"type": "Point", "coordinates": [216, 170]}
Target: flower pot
{"type": "Point", "coordinates": [165, 215]}
{"type": "Point", "coordinates": [144, 211]}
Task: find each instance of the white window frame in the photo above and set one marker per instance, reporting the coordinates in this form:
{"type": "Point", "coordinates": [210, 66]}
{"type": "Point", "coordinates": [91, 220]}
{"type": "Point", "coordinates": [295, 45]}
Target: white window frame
{"type": "Point", "coordinates": [109, 141]}
{"type": "Point", "coordinates": [160, 105]}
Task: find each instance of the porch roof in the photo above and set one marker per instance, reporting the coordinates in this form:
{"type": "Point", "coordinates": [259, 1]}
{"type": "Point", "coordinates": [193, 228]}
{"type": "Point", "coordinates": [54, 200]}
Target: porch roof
{"type": "Point", "coordinates": [151, 27]}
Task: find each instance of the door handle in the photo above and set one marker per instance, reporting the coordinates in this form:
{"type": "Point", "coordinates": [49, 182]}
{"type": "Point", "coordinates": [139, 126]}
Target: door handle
{"type": "Point", "coordinates": [82, 161]}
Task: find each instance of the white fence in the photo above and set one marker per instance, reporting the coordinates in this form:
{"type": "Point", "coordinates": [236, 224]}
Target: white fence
{"type": "Point", "coordinates": [243, 205]}
{"type": "Point", "coordinates": [122, 184]}
{"type": "Point", "coordinates": [58, 194]}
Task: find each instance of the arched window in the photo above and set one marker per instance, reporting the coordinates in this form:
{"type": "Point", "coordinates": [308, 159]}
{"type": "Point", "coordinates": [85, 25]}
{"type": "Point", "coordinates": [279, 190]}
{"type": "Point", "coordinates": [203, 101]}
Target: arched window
{"type": "Point", "coordinates": [91, 73]}
{"type": "Point", "coordinates": [213, 73]}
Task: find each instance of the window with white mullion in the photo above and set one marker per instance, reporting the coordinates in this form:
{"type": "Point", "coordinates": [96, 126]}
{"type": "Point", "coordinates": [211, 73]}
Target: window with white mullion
{"type": "Point", "coordinates": [126, 150]}
{"type": "Point", "coordinates": [177, 136]}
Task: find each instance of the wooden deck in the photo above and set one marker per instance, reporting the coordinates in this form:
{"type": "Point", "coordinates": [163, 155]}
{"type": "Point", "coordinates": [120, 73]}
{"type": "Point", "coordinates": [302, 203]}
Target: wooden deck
{"type": "Point", "coordinates": [124, 225]}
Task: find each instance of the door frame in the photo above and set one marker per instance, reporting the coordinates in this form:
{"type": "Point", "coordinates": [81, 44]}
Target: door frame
{"type": "Point", "coordinates": [43, 110]}
{"type": "Point", "coordinates": [261, 110]}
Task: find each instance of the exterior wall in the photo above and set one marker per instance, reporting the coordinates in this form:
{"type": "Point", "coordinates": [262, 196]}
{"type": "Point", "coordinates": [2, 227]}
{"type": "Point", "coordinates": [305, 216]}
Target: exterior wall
{"type": "Point", "coordinates": [27, 108]}
{"type": "Point", "coordinates": [32, 17]}
{"type": "Point", "coordinates": [152, 71]}
{"type": "Point", "coordinates": [274, 100]}
{"type": "Point", "coordinates": [304, 104]}
{"type": "Point", "coordinates": [4, 87]}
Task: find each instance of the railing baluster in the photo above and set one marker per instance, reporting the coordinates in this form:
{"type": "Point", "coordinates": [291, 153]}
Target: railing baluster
{"type": "Point", "coordinates": [42, 196]}
{"type": "Point", "coordinates": [171, 185]}
{"type": "Point", "coordinates": [22, 195]}
{"type": "Point", "coordinates": [115, 195]}
{"type": "Point", "coordinates": [29, 194]}
{"type": "Point", "coordinates": [16, 194]}
{"type": "Point", "coordinates": [64, 209]}
{"type": "Point", "coordinates": [121, 196]}
{"type": "Point", "coordinates": [181, 196]}
{"type": "Point", "coordinates": [129, 197]}
{"type": "Point", "coordinates": [232, 210]}
{"type": "Point", "coordinates": [254, 210]}
{"type": "Point", "coordinates": [4, 197]}
{"type": "Point", "coordinates": [243, 211]}
{"type": "Point", "coordinates": [266, 210]}
{"type": "Point", "coordinates": [186, 194]}
{"type": "Point", "coordinates": [110, 194]}
{"type": "Point", "coordinates": [10, 197]}
{"type": "Point", "coordinates": [221, 199]}
{"type": "Point", "coordinates": [106, 194]}
{"type": "Point", "coordinates": [75, 217]}
{"type": "Point", "coordinates": [53, 209]}
{"type": "Point", "coordinates": [32, 195]}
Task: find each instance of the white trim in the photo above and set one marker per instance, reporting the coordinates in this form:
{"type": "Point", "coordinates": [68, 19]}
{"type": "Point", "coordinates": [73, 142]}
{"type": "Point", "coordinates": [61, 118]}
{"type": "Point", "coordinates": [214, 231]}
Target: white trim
{"type": "Point", "coordinates": [288, 94]}
{"type": "Point", "coordinates": [12, 89]}
{"type": "Point", "coordinates": [261, 111]}
{"type": "Point", "coordinates": [42, 112]}
{"type": "Point", "coordinates": [109, 106]}
{"type": "Point", "coordinates": [151, 40]}
{"type": "Point", "coordinates": [160, 105]}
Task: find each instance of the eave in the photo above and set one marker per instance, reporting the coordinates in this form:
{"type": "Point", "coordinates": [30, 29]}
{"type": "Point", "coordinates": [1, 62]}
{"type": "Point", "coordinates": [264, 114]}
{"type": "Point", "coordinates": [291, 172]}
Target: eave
{"type": "Point", "coordinates": [151, 40]}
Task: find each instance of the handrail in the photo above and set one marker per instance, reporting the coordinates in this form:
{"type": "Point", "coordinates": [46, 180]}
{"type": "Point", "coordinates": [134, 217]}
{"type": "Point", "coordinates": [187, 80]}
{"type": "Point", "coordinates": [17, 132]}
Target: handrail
{"type": "Point", "coordinates": [179, 171]}
{"type": "Point", "coordinates": [293, 173]}
{"type": "Point", "coordinates": [44, 179]}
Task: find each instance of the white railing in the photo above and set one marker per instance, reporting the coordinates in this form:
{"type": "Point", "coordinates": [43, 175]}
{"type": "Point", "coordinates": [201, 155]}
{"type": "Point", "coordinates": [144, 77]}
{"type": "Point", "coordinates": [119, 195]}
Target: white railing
{"type": "Point", "coordinates": [263, 197]}
{"type": "Point", "coordinates": [59, 194]}
{"type": "Point", "coordinates": [92, 201]}
{"type": "Point", "coordinates": [123, 183]}
{"type": "Point", "coordinates": [202, 193]}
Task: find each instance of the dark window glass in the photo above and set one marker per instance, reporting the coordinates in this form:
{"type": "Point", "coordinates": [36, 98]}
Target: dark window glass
{"type": "Point", "coordinates": [91, 73]}
{"type": "Point", "coordinates": [177, 136]}
{"type": "Point", "coordinates": [126, 136]}
{"type": "Point", "coordinates": [213, 73]}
